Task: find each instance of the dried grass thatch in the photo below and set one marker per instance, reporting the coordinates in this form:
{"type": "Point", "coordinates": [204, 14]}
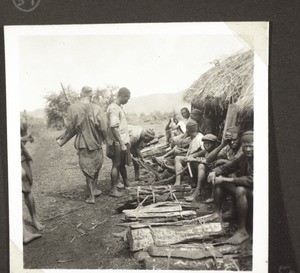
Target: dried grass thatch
{"type": "Point", "coordinates": [231, 78]}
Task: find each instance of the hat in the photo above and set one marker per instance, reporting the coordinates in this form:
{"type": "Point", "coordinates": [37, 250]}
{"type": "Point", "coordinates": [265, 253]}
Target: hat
{"type": "Point", "coordinates": [192, 126]}
{"type": "Point", "coordinates": [86, 91]}
{"type": "Point", "coordinates": [209, 137]}
{"type": "Point", "coordinates": [247, 137]}
{"type": "Point", "coordinates": [233, 130]}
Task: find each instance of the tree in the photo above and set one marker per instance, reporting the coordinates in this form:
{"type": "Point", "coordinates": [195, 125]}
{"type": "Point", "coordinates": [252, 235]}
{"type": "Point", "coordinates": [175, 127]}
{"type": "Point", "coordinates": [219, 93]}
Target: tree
{"type": "Point", "coordinates": [105, 96]}
{"type": "Point", "coordinates": [57, 104]}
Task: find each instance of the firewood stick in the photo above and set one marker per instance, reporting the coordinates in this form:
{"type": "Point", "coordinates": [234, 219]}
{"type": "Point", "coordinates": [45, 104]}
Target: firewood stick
{"type": "Point", "coordinates": [190, 170]}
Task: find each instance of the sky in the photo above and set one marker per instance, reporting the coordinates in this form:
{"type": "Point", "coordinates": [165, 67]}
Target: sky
{"type": "Point", "coordinates": [158, 61]}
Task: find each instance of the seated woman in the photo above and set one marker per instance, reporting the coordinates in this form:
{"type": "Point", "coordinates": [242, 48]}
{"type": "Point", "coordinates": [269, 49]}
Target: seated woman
{"type": "Point", "coordinates": [240, 186]}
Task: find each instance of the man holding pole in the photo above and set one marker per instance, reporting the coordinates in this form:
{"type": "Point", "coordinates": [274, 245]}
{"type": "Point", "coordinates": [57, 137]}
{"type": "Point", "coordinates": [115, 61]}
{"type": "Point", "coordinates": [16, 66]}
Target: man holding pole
{"type": "Point", "coordinates": [87, 121]}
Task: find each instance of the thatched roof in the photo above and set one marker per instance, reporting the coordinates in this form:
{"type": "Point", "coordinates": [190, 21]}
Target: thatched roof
{"type": "Point", "coordinates": [230, 78]}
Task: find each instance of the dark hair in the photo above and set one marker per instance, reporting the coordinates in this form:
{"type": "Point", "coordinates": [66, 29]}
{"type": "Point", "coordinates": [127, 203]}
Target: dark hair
{"type": "Point", "coordinates": [123, 92]}
{"type": "Point", "coordinates": [184, 108]}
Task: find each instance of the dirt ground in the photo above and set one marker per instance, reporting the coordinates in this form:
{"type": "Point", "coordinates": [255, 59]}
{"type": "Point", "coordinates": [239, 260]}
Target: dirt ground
{"type": "Point", "coordinates": [60, 193]}
{"type": "Point", "coordinates": [77, 235]}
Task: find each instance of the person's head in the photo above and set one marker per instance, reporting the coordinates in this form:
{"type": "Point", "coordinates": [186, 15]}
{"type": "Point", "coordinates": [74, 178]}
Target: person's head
{"type": "Point", "coordinates": [192, 128]}
{"type": "Point", "coordinates": [123, 95]}
{"type": "Point", "coordinates": [209, 142]}
{"type": "Point", "coordinates": [86, 92]}
{"type": "Point", "coordinates": [196, 115]}
{"type": "Point", "coordinates": [147, 135]}
{"type": "Point", "coordinates": [185, 113]}
{"type": "Point", "coordinates": [232, 137]}
{"type": "Point", "coordinates": [247, 143]}
{"type": "Point", "coordinates": [175, 119]}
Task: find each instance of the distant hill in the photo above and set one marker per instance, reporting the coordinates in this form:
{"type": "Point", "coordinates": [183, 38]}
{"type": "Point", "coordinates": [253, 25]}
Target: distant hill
{"type": "Point", "coordinates": [156, 102]}
{"type": "Point", "coordinates": [38, 113]}
{"type": "Point", "coordinates": [145, 104]}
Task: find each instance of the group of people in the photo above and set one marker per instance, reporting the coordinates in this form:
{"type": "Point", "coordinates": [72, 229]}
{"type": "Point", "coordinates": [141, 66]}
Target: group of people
{"type": "Point", "coordinates": [227, 164]}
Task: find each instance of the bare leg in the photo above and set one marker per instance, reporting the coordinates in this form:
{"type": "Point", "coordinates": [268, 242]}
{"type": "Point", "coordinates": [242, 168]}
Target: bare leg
{"type": "Point", "coordinates": [89, 183]}
{"type": "Point", "coordinates": [200, 180]}
{"type": "Point", "coordinates": [136, 171]}
{"type": "Point", "coordinates": [242, 207]}
{"type": "Point", "coordinates": [96, 192]}
{"type": "Point", "coordinates": [29, 201]}
{"type": "Point", "coordinates": [178, 169]}
{"type": "Point", "coordinates": [115, 170]}
{"type": "Point", "coordinates": [123, 172]}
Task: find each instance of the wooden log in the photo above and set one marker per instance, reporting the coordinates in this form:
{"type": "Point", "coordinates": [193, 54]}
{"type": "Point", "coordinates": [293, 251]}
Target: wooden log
{"type": "Point", "coordinates": [178, 214]}
{"type": "Point", "coordinates": [156, 208]}
{"type": "Point", "coordinates": [144, 237]}
{"type": "Point", "coordinates": [159, 263]}
{"type": "Point", "coordinates": [193, 252]}
{"type": "Point", "coordinates": [198, 220]}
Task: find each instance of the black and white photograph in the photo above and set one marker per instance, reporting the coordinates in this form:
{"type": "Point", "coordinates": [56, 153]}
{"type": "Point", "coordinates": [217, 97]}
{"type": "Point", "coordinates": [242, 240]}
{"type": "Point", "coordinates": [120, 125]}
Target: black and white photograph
{"type": "Point", "coordinates": [142, 146]}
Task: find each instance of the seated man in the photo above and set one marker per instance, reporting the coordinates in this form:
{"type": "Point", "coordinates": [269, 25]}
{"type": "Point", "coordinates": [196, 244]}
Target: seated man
{"type": "Point", "coordinates": [240, 186]}
{"type": "Point", "coordinates": [233, 148]}
{"type": "Point", "coordinates": [174, 128]}
{"type": "Point", "coordinates": [195, 146]}
{"type": "Point", "coordinates": [199, 161]}
{"type": "Point", "coordinates": [138, 140]}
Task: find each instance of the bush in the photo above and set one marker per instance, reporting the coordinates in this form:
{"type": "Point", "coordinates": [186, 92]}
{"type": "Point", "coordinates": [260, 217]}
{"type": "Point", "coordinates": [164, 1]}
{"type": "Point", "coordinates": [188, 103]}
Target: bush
{"type": "Point", "coordinates": [57, 104]}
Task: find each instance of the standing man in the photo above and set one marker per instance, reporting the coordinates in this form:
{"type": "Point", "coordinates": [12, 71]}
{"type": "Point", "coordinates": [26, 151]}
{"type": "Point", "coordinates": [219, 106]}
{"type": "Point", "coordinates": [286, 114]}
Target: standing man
{"type": "Point", "coordinates": [27, 183]}
{"type": "Point", "coordinates": [118, 148]}
{"type": "Point", "coordinates": [87, 121]}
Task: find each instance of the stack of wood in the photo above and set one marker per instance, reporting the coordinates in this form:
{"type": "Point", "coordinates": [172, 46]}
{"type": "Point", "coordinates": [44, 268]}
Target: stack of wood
{"type": "Point", "coordinates": [194, 256]}
{"type": "Point", "coordinates": [166, 211]}
{"type": "Point", "coordinates": [159, 193]}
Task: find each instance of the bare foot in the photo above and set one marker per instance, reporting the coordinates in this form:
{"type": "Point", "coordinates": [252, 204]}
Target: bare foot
{"type": "Point", "coordinates": [29, 237]}
{"type": "Point", "coordinates": [230, 214]}
{"type": "Point", "coordinates": [38, 225]}
{"type": "Point", "coordinates": [116, 194]}
{"type": "Point", "coordinates": [90, 200]}
{"type": "Point", "coordinates": [239, 237]}
{"type": "Point", "coordinates": [192, 197]}
{"type": "Point", "coordinates": [209, 200]}
{"type": "Point", "coordinates": [97, 192]}
{"type": "Point", "coordinates": [120, 185]}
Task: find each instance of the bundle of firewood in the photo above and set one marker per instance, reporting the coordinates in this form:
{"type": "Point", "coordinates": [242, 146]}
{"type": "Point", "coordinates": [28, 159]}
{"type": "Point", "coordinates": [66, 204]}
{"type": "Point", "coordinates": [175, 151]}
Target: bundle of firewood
{"type": "Point", "coordinates": [194, 256]}
{"type": "Point", "coordinates": [159, 193]}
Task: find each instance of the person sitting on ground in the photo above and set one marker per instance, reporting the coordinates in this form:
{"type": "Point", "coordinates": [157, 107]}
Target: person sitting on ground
{"type": "Point", "coordinates": [139, 138]}
{"type": "Point", "coordinates": [205, 124]}
{"type": "Point", "coordinates": [185, 114]}
{"type": "Point", "coordinates": [175, 127]}
{"type": "Point", "coordinates": [195, 146]}
{"type": "Point", "coordinates": [231, 151]}
{"type": "Point", "coordinates": [27, 181]}
{"type": "Point", "coordinates": [198, 161]}
{"type": "Point", "coordinates": [179, 144]}
{"type": "Point", "coordinates": [240, 186]}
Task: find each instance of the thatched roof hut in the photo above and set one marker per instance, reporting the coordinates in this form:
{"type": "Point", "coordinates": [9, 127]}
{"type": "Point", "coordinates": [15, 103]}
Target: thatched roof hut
{"type": "Point", "coordinates": [231, 78]}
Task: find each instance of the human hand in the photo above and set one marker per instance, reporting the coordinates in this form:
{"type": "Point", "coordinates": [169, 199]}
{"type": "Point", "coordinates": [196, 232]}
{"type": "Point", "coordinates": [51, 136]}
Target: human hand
{"type": "Point", "coordinates": [123, 147]}
{"type": "Point", "coordinates": [219, 179]}
{"type": "Point", "coordinates": [211, 177]}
